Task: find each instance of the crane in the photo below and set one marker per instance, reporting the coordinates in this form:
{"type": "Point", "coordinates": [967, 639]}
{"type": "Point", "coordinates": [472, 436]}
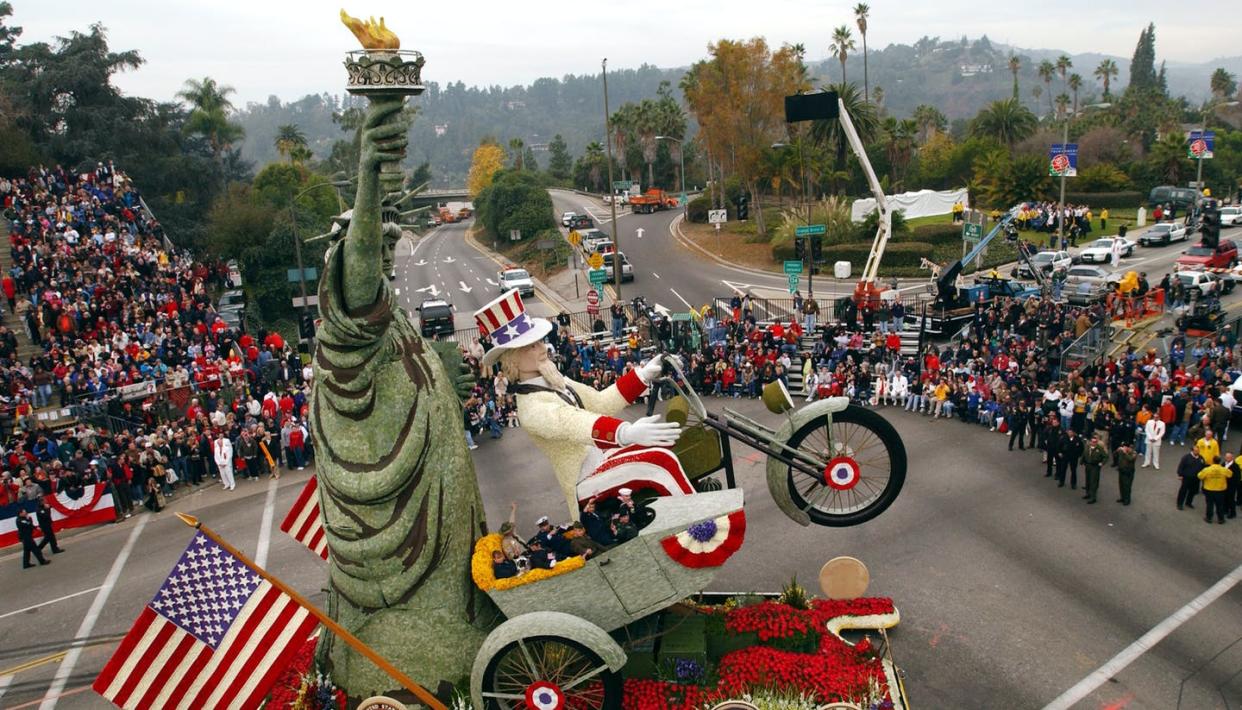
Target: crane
{"type": "Point", "coordinates": [946, 282]}
{"type": "Point", "coordinates": [867, 292]}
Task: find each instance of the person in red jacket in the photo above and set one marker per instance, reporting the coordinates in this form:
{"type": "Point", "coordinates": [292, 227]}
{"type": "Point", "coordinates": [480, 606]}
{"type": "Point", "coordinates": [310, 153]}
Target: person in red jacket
{"type": "Point", "coordinates": [10, 290]}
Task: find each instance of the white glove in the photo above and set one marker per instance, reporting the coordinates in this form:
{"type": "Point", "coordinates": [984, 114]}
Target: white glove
{"type": "Point", "coordinates": [651, 370]}
{"type": "Point", "coordinates": [648, 431]}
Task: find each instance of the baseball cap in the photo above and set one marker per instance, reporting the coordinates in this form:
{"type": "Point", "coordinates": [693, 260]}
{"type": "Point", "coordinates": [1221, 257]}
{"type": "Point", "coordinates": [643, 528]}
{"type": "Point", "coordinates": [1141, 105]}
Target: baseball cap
{"type": "Point", "coordinates": [625, 492]}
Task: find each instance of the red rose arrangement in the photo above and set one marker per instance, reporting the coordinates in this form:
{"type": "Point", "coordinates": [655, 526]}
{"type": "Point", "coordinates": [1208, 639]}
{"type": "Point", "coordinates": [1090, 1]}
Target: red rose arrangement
{"type": "Point", "coordinates": [300, 687]}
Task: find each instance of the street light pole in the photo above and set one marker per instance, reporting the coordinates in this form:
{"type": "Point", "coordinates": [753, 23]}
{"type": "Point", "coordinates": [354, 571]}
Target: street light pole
{"type": "Point", "coordinates": [612, 193]}
{"type": "Point", "coordinates": [681, 154]}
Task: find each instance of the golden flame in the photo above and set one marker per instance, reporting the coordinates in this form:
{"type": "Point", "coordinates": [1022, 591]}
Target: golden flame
{"type": "Point", "coordinates": [372, 34]}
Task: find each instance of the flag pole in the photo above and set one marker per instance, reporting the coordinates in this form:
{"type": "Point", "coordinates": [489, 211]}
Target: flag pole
{"type": "Point", "coordinates": [354, 642]}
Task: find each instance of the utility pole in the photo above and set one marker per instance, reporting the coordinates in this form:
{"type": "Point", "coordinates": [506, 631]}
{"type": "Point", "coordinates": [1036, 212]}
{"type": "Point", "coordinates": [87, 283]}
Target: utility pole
{"type": "Point", "coordinates": [1203, 137]}
{"type": "Point", "coordinates": [1061, 204]}
{"type": "Point", "coordinates": [612, 192]}
{"type": "Point", "coordinates": [810, 273]}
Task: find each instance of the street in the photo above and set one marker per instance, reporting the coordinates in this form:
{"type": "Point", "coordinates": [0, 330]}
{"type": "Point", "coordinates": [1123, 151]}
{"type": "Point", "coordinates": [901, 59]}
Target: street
{"type": "Point", "coordinates": [1011, 590]}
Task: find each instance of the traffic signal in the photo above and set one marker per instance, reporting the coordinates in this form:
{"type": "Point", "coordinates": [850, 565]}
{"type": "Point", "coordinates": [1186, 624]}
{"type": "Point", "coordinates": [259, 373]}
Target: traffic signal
{"type": "Point", "coordinates": [306, 326]}
{"type": "Point", "coordinates": [1209, 223]}
{"type": "Point", "coordinates": [817, 248]}
{"type": "Point", "coordinates": [743, 206]}
{"type": "Point", "coordinates": [800, 248]}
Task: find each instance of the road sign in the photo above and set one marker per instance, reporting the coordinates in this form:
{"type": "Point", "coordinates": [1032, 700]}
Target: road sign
{"type": "Point", "coordinates": [717, 216]}
{"type": "Point", "coordinates": [621, 184]}
{"type": "Point", "coordinates": [793, 282]}
{"type": "Point", "coordinates": [684, 200]}
{"type": "Point", "coordinates": [592, 297]}
{"type": "Point", "coordinates": [793, 267]}
{"type": "Point", "coordinates": [810, 229]}
{"type": "Point", "coordinates": [310, 301]}
{"type": "Point", "coordinates": [515, 235]}
{"type": "Point", "coordinates": [972, 231]}
{"type": "Point", "coordinates": [575, 238]}
{"type": "Point", "coordinates": [310, 273]}
{"type": "Point", "coordinates": [546, 244]}
{"type": "Point", "coordinates": [597, 276]}
{"type": "Point", "coordinates": [596, 260]}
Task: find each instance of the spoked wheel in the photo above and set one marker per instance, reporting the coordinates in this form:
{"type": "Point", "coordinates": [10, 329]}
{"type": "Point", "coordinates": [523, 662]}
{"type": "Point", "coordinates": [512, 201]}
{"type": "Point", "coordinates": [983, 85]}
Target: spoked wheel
{"type": "Point", "coordinates": [550, 673]}
{"type": "Point", "coordinates": [862, 467]}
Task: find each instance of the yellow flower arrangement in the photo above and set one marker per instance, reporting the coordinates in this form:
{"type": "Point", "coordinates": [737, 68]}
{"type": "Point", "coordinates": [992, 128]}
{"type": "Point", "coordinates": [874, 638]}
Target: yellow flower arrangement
{"type": "Point", "coordinates": [484, 576]}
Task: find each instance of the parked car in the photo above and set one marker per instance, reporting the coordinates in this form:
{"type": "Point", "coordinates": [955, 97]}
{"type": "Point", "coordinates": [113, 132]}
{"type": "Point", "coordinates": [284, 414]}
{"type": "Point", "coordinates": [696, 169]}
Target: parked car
{"type": "Point", "coordinates": [1088, 284]}
{"type": "Point", "coordinates": [1230, 216]}
{"type": "Point", "coordinates": [581, 221]}
{"type": "Point", "coordinates": [1101, 250]}
{"type": "Point", "coordinates": [1045, 261]}
{"type": "Point", "coordinates": [516, 279]}
{"type": "Point", "coordinates": [1224, 256]}
{"type": "Point", "coordinates": [567, 217]}
{"type": "Point", "coordinates": [435, 317]}
{"type": "Point", "coordinates": [627, 269]}
{"type": "Point", "coordinates": [1205, 282]}
{"type": "Point", "coordinates": [1164, 233]}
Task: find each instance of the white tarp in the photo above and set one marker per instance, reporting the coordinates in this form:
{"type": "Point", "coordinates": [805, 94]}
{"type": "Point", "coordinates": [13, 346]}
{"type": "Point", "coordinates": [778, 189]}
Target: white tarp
{"type": "Point", "coordinates": [923, 203]}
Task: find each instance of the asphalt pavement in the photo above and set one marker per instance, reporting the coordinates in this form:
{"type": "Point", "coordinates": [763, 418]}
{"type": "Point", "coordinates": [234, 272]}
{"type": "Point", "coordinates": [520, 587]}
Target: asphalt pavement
{"type": "Point", "coordinates": [1010, 589]}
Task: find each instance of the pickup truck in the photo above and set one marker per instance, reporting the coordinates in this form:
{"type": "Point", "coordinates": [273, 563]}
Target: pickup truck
{"type": "Point", "coordinates": [627, 269]}
{"type": "Point", "coordinates": [591, 239]}
{"type": "Point", "coordinates": [1224, 256]}
{"type": "Point", "coordinates": [519, 279]}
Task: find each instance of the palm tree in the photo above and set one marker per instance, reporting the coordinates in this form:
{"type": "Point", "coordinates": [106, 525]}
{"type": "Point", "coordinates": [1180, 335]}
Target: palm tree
{"type": "Point", "coordinates": [1075, 83]}
{"type": "Point", "coordinates": [1046, 70]}
{"type": "Point", "coordinates": [842, 45]}
{"type": "Point", "coordinates": [1222, 83]}
{"type": "Point", "coordinates": [209, 107]}
{"type": "Point", "coordinates": [1105, 73]}
{"type": "Point", "coordinates": [1037, 91]}
{"type": "Point", "coordinates": [1007, 121]}
{"type": "Point", "coordinates": [861, 12]}
{"type": "Point", "coordinates": [878, 95]}
{"type": "Point", "coordinates": [288, 139]}
{"type": "Point", "coordinates": [1063, 102]}
{"type": "Point", "coordinates": [1064, 63]}
{"type": "Point", "coordinates": [1014, 65]}
{"type": "Point", "coordinates": [928, 120]}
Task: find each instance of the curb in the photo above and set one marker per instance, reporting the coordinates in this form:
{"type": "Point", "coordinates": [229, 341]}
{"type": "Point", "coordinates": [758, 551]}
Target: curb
{"type": "Point", "coordinates": [674, 229]}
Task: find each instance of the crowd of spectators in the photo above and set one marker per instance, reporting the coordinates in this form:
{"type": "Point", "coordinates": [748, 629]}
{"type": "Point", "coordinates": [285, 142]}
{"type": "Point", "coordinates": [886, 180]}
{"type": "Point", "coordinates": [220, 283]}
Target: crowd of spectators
{"type": "Point", "coordinates": [167, 394]}
{"type": "Point", "coordinates": [1046, 217]}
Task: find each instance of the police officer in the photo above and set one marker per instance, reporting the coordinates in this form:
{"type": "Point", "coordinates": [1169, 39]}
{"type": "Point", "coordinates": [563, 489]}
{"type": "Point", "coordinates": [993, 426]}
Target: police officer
{"type": "Point", "coordinates": [1188, 472]}
{"type": "Point", "coordinates": [1068, 453]}
{"type": "Point", "coordinates": [25, 533]}
{"type": "Point", "coordinates": [1094, 457]}
{"type": "Point", "coordinates": [44, 515]}
{"type": "Point", "coordinates": [1125, 471]}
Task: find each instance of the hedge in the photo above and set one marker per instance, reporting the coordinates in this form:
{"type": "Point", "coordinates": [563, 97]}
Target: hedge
{"type": "Point", "coordinates": [1130, 199]}
{"type": "Point", "coordinates": [937, 233]}
{"type": "Point", "coordinates": [895, 254]}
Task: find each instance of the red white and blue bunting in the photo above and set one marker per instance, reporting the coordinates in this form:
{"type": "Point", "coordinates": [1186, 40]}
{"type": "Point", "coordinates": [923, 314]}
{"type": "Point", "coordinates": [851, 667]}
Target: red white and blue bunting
{"type": "Point", "coordinates": [708, 543]}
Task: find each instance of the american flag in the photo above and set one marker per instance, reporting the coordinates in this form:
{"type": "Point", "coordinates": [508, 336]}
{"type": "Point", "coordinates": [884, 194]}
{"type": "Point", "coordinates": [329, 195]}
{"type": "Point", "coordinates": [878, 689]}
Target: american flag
{"type": "Point", "coordinates": [303, 522]}
{"type": "Point", "coordinates": [216, 635]}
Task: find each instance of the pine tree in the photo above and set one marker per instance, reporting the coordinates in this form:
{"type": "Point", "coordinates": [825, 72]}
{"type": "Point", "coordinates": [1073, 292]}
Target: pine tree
{"type": "Point", "coordinates": [1143, 65]}
{"type": "Point", "coordinates": [560, 164]}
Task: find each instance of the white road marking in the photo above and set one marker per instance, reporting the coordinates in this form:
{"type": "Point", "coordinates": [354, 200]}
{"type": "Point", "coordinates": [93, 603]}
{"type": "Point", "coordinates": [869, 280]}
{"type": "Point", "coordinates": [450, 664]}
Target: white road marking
{"type": "Point", "coordinates": [265, 527]}
{"type": "Point", "coordinates": [397, 291]}
{"type": "Point", "coordinates": [421, 262]}
{"type": "Point", "coordinates": [678, 295]}
{"type": "Point", "coordinates": [464, 287]}
{"type": "Point", "coordinates": [50, 601]}
{"type": "Point", "coordinates": [4, 683]}
{"type": "Point", "coordinates": [1145, 643]}
{"type": "Point", "coordinates": [448, 259]}
{"type": "Point", "coordinates": [92, 615]}
{"type": "Point", "coordinates": [655, 274]}
{"type": "Point", "coordinates": [640, 232]}
{"type": "Point", "coordinates": [492, 283]}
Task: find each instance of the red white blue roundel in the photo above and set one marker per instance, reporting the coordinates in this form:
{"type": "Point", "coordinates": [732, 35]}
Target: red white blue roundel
{"type": "Point", "coordinates": [543, 695]}
{"type": "Point", "coordinates": [708, 543]}
{"type": "Point", "coordinates": [842, 473]}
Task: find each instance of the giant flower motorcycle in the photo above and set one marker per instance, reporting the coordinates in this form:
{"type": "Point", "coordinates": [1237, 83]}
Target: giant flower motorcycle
{"type": "Point", "coordinates": [561, 645]}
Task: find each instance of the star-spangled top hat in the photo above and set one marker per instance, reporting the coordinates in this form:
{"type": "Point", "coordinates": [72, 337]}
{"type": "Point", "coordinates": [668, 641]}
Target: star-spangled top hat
{"type": "Point", "coordinates": [506, 321]}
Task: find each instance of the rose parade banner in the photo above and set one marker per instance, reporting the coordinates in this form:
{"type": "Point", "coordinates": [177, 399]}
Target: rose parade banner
{"type": "Point", "coordinates": [1201, 145]}
{"type": "Point", "coordinates": [1063, 160]}
{"type": "Point", "coordinates": [93, 506]}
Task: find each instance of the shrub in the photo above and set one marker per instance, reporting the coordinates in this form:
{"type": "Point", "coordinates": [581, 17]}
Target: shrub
{"type": "Point", "coordinates": [865, 230]}
{"type": "Point", "coordinates": [938, 233]}
{"type": "Point", "coordinates": [696, 210]}
{"type": "Point", "coordinates": [1111, 200]}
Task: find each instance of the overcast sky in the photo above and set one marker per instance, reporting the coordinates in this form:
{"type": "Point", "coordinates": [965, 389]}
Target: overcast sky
{"type": "Point", "coordinates": [290, 49]}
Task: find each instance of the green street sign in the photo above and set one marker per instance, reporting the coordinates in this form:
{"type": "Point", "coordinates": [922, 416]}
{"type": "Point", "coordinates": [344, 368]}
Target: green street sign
{"type": "Point", "coordinates": [310, 273]}
{"type": "Point", "coordinates": [793, 267]}
{"type": "Point", "coordinates": [598, 276]}
{"type": "Point", "coordinates": [622, 184]}
{"type": "Point", "coordinates": [793, 282]}
{"type": "Point", "coordinates": [810, 230]}
{"type": "Point", "coordinates": [684, 199]}
{"type": "Point", "coordinates": [972, 231]}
